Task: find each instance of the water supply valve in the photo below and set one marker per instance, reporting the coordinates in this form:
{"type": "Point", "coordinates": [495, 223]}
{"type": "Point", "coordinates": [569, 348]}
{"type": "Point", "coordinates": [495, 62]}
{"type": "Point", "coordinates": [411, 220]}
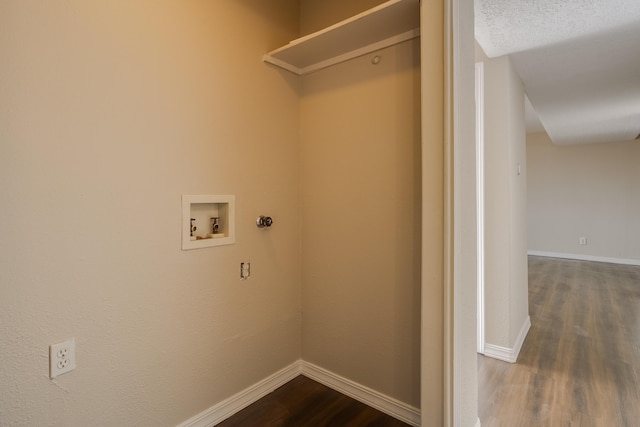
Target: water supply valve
{"type": "Point", "coordinates": [264, 221]}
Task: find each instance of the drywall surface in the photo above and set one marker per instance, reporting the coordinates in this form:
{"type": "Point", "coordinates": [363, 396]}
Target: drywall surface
{"type": "Point", "coordinates": [110, 112]}
{"type": "Point", "coordinates": [586, 191]}
{"type": "Point", "coordinates": [465, 243]}
{"type": "Point", "coordinates": [517, 178]}
{"type": "Point", "coordinates": [316, 15]}
{"type": "Point", "coordinates": [433, 367]}
{"type": "Point", "coordinates": [360, 168]}
{"type": "Point", "coordinates": [361, 233]}
{"type": "Point", "coordinates": [506, 297]}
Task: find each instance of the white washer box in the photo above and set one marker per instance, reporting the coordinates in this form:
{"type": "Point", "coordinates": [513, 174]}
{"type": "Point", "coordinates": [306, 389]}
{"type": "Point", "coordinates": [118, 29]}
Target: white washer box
{"type": "Point", "coordinates": [202, 209]}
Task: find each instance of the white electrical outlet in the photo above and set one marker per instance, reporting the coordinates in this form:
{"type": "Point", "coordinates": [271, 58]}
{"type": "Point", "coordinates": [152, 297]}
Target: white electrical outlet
{"type": "Point", "coordinates": [62, 358]}
{"type": "Point", "coordinates": [583, 240]}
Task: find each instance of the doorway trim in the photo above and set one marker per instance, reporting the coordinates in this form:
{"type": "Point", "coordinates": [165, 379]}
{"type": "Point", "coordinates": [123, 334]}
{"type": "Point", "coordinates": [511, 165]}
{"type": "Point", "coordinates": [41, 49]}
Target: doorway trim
{"type": "Point", "coordinates": [480, 198]}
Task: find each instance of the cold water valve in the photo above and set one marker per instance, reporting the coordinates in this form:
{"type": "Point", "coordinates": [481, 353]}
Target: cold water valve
{"type": "Point", "coordinates": [192, 227]}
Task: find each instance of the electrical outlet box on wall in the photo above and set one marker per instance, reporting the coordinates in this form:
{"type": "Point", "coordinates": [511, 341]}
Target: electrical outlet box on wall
{"type": "Point", "coordinates": [62, 358]}
{"type": "Point", "coordinates": [207, 220]}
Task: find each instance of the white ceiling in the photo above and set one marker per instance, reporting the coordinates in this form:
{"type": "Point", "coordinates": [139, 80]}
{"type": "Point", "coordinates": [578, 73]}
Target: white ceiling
{"type": "Point", "coordinates": [578, 59]}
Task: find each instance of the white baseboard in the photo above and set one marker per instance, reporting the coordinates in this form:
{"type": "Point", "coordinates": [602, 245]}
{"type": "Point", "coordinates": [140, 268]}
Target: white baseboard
{"type": "Point", "coordinates": [578, 257]}
{"type": "Point", "coordinates": [379, 401]}
{"type": "Point", "coordinates": [478, 423]}
{"type": "Point", "coordinates": [223, 410]}
{"type": "Point", "coordinates": [228, 407]}
{"type": "Point", "coordinates": [509, 354]}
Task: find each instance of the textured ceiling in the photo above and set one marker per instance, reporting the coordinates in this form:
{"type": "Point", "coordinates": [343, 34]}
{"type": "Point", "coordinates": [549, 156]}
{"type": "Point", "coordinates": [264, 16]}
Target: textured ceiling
{"type": "Point", "coordinates": [578, 59]}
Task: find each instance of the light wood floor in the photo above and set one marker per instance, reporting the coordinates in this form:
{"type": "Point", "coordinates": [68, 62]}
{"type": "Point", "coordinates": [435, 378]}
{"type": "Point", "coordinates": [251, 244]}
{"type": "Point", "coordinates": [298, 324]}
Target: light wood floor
{"type": "Point", "coordinates": [580, 363]}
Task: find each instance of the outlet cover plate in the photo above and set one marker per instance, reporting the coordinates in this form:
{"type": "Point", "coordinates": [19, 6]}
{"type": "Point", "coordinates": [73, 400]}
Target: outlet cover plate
{"type": "Point", "coordinates": [62, 358]}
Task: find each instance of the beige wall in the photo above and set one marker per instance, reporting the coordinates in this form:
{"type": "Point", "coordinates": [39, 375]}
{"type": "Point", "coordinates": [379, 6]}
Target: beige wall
{"type": "Point", "coordinates": [109, 112]}
{"type": "Point", "coordinates": [506, 297]}
{"type": "Point", "coordinates": [433, 368]}
{"type": "Point", "coordinates": [517, 177]}
{"type": "Point", "coordinates": [585, 190]}
{"type": "Point", "coordinates": [360, 163]}
{"type": "Point", "coordinates": [316, 15]}
{"type": "Point", "coordinates": [112, 110]}
{"type": "Point", "coordinates": [465, 220]}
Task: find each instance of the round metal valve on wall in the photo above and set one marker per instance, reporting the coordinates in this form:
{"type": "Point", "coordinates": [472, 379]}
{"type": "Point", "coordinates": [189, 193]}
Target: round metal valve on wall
{"type": "Point", "coordinates": [264, 221]}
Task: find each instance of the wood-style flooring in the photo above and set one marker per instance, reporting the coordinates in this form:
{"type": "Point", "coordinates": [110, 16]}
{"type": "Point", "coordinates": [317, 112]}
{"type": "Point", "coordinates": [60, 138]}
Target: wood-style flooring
{"type": "Point", "coordinates": [303, 402]}
{"type": "Point", "coordinates": [580, 363]}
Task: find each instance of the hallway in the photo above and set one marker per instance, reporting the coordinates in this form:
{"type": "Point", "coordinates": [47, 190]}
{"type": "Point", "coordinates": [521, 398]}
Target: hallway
{"type": "Point", "coordinates": [580, 363]}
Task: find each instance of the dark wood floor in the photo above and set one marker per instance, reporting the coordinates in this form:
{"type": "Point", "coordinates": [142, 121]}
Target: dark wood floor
{"type": "Point", "coordinates": [580, 363]}
{"type": "Point", "coordinates": [304, 402]}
